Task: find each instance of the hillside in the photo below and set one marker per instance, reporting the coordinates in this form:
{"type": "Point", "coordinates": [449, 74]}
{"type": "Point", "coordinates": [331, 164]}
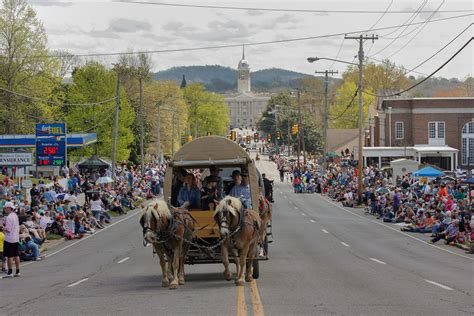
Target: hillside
{"type": "Point", "coordinates": [221, 79]}
{"type": "Point", "coordinates": [224, 79]}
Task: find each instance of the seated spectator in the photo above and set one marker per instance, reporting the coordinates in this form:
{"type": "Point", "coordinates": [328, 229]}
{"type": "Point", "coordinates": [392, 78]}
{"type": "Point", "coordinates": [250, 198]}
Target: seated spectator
{"type": "Point", "coordinates": [450, 234]}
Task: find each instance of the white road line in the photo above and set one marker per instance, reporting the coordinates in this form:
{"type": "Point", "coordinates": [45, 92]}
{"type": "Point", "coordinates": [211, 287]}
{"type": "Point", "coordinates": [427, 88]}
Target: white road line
{"type": "Point", "coordinates": [95, 234]}
{"type": "Point", "coordinates": [296, 207]}
{"type": "Point", "coordinates": [78, 282]}
{"type": "Point", "coordinates": [325, 231]}
{"type": "Point", "coordinates": [123, 260]}
{"type": "Point", "coordinates": [303, 214]}
{"type": "Point", "coordinates": [344, 244]}
{"type": "Point", "coordinates": [440, 285]}
{"type": "Point", "coordinates": [377, 260]}
{"type": "Point", "coordinates": [396, 230]}
{"type": "Point", "coordinates": [285, 196]}
{"type": "Point", "coordinates": [312, 221]}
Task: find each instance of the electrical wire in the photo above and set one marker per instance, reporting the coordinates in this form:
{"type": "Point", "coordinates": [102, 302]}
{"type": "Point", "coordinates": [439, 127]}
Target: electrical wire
{"type": "Point", "coordinates": [412, 16]}
{"type": "Point", "coordinates": [377, 22]}
{"type": "Point", "coordinates": [54, 102]}
{"type": "Point", "coordinates": [416, 34]}
{"type": "Point", "coordinates": [426, 78]}
{"type": "Point", "coordinates": [410, 21]}
{"type": "Point", "coordinates": [234, 45]}
{"type": "Point", "coordinates": [440, 50]}
{"type": "Point", "coordinates": [201, 6]}
{"type": "Point", "coordinates": [347, 106]}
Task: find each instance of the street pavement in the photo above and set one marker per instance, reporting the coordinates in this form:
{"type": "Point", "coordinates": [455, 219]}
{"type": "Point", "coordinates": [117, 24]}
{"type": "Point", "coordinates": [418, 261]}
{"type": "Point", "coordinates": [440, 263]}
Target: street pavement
{"type": "Point", "coordinates": [325, 260]}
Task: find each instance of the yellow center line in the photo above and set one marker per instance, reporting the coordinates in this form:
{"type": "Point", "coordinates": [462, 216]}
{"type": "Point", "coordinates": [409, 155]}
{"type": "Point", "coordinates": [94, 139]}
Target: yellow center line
{"type": "Point", "coordinates": [241, 306]}
{"type": "Point", "coordinates": [256, 302]}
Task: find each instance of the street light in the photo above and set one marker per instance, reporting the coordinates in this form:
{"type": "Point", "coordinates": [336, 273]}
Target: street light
{"type": "Point", "coordinates": [359, 91]}
{"type": "Point", "coordinates": [313, 59]}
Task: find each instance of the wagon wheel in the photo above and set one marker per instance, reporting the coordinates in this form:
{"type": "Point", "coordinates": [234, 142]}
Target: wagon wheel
{"type": "Point", "coordinates": [256, 272]}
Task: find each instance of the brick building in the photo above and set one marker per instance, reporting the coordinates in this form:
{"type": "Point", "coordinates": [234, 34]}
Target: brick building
{"type": "Point", "coordinates": [436, 122]}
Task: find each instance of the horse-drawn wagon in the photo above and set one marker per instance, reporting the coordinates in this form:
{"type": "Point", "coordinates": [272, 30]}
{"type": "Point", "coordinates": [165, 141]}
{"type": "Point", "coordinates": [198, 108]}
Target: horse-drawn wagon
{"type": "Point", "coordinates": [223, 158]}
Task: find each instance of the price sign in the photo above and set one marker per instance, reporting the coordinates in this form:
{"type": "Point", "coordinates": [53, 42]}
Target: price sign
{"type": "Point", "coordinates": [51, 152]}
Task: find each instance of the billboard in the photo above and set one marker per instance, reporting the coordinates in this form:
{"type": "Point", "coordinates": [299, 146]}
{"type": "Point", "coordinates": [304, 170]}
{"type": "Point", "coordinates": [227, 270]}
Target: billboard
{"type": "Point", "coordinates": [16, 159]}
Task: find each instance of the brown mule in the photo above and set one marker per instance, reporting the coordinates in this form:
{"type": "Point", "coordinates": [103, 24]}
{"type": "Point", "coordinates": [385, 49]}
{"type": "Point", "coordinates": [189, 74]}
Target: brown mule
{"type": "Point", "coordinates": [167, 230]}
{"type": "Point", "coordinates": [241, 229]}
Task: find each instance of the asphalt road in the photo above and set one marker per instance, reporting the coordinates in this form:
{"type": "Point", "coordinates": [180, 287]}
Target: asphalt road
{"type": "Point", "coordinates": [324, 261]}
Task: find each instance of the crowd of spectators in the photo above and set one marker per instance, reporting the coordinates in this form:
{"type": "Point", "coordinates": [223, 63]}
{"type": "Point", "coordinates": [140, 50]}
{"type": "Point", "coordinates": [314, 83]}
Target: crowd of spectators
{"type": "Point", "coordinates": [75, 205]}
{"type": "Point", "coordinates": [439, 207]}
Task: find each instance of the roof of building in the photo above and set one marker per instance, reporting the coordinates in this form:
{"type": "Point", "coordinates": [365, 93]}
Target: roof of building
{"type": "Point", "coordinates": [340, 139]}
{"type": "Point", "coordinates": [29, 141]}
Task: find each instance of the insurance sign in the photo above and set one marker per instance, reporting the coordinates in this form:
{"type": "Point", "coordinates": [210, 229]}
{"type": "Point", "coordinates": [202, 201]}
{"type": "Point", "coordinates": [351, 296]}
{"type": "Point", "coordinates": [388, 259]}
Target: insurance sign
{"type": "Point", "coordinates": [16, 159]}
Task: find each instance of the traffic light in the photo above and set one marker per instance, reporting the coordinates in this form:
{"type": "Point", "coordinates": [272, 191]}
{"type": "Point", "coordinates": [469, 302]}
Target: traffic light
{"type": "Point", "coordinates": [233, 136]}
{"type": "Point", "coordinates": [278, 135]}
{"type": "Point", "coordinates": [294, 129]}
{"type": "Point", "coordinates": [255, 137]}
{"type": "Point", "coordinates": [248, 139]}
{"type": "Point", "coordinates": [269, 137]}
{"type": "Point", "coordinates": [190, 138]}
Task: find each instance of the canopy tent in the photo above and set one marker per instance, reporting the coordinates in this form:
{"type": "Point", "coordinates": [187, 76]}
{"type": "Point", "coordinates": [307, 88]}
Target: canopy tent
{"type": "Point", "coordinates": [93, 163]}
{"type": "Point", "coordinates": [469, 181]}
{"type": "Point", "coordinates": [429, 172]}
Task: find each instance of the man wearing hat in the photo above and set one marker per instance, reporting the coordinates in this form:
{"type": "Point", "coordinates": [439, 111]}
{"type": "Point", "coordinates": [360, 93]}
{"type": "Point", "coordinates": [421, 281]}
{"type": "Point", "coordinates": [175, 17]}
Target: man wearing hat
{"type": "Point", "coordinates": [11, 229]}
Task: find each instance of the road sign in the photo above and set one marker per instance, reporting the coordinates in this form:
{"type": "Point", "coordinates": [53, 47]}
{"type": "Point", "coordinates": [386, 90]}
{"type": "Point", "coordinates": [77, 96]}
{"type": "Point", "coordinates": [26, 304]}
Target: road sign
{"type": "Point", "coordinates": [27, 184]}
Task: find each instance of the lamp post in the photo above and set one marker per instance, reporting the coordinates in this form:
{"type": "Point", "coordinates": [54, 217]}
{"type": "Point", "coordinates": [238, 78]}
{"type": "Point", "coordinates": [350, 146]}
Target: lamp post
{"type": "Point", "coordinates": [361, 133]}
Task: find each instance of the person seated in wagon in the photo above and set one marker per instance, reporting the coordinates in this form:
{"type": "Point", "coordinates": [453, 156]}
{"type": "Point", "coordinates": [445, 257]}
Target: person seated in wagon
{"type": "Point", "coordinates": [241, 188]}
{"type": "Point", "coordinates": [189, 195]}
{"type": "Point", "coordinates": [209, 193]}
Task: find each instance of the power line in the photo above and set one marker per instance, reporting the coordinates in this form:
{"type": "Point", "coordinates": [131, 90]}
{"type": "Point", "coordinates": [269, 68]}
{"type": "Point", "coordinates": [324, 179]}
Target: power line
{"type": "Point", "coordinates": [411, 17]}
{"type": "Point", "coordinates": [429, 58]}
{"type": "Point", "coordinates": [440, 50]}
{"type": "Point", "coordinates": [236, 45]}
{"type": "Point", "coordinates": [407, 25]}
{"type": "Point", "coordinates": [424, 79]}
{"type": "Point", "coordinates": [54, 102]}
{"type": "Point", "coordinates": [347, 106]}
{"type": "Point", "coordinates": [201, 6]}
{"type": "Point", "coordinates": [416, 34]}
{"type": "Point", "coordinates": [377, 22]}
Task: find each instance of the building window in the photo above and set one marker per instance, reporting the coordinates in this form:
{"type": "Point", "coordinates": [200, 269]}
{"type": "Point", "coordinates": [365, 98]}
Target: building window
{"type": "Point", "coordinates": [467, 144]}
{"type": "Point", "coordinates": [436, 132]}
{"type": "Point", "coordinates": [399, 130]}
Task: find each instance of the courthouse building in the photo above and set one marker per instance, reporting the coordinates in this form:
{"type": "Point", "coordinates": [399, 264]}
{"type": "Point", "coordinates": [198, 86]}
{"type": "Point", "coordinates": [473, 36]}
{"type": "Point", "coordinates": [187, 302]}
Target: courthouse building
{"type": "Point", "coordinates": [245, 107]}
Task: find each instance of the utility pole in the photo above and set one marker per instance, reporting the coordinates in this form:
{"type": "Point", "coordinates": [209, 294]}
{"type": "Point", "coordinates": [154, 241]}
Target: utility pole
{"type": "Point", "coordinates": [158, 135]}
{"type": "Point", "coordinates": [326, 112]}
{"type": "Point", "coordinates": [142, 129]}
{"type": "Point", "coordinates": [299, 128]}
{"type": "Point", "coordinates": [361, 39]}
{"type": "Point", "coordinates": [116, 122]}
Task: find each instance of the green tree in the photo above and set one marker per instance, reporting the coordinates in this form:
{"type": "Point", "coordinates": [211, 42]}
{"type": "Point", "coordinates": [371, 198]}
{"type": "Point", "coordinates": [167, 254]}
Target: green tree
{"type": "Point", "coordinates": [93, 83]}
{"type": "Point", "coordinates": [384, 76]}
{"type": "Point", "coordinates": [22, 36]}
{"type": "Point", "coordinates": [344, 112]}
{"type": "Point", "coordinates": [207, 111]}
{"type": "Point", "coordinates": [267, 121]}
{"type": "Point", "coordinates": [174, 110]}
